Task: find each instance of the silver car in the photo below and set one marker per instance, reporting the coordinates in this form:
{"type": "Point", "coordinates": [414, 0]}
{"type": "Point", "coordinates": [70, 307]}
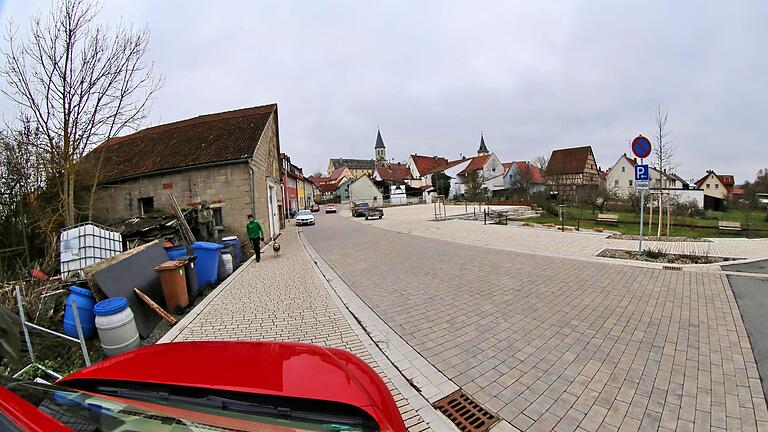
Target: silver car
{"type": "Point", "coordinates": [305, 217]}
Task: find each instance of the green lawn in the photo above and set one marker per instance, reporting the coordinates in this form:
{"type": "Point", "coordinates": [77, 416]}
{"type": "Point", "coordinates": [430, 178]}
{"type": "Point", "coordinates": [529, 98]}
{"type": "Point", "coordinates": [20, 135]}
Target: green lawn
{"type": "Point", "coordinates": [629, 223]}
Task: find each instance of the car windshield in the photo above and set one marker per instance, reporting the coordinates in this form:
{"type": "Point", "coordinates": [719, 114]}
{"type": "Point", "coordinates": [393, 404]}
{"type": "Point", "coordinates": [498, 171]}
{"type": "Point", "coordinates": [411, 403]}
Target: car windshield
{"type": "Point", "coordinates": [111, 409]}
{"type": "Point", "coordinates": [363, 205]}
{"type": "Point", "coordinates": [305, 213]}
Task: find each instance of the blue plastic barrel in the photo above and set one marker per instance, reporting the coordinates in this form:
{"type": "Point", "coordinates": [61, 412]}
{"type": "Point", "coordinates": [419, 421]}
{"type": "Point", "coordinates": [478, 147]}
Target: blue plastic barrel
{"type": "Point", "coordinates": [176, 252]}
{"type": "Point", "coordinates": [235, 243]}
{"type": "Point", "coordinates": [207, 265]}
{"type": "Point", "coordinates": [85, 302]}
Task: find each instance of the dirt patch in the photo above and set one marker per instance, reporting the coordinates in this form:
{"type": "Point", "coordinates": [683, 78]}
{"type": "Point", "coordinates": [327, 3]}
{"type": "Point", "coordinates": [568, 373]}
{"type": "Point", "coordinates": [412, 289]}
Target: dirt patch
{"type": "Point", "coordinates": [661, 239]}
{"type": "Point", "coordinates": [662, 257]}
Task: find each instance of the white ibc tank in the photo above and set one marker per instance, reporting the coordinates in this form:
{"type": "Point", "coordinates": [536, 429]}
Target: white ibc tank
{"type": "Point", "coordinates": [116, 326]}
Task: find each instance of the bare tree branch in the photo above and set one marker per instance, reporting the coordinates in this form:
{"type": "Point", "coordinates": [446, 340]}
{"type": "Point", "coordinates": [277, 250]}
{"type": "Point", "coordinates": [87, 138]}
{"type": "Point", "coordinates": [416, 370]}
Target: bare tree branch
{"type": "Point", "coordinates": [82, 83]}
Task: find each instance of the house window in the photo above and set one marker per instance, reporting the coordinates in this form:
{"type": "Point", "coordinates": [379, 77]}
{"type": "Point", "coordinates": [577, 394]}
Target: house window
{"type": "Point", "coordinates": [623, 169]}
{"type": "Point", "coordinates": [707, 185]}
{"type": "Point", "coordinates": [218, 216]}
{"type": "Point", "coordinates": [717, 186]}
{"type": "Point", "coordinates": [146, 205]}
{"type": "Point", "coordinates": [615, 182]}
{"type": "Point", "coordinates": [630, 182]}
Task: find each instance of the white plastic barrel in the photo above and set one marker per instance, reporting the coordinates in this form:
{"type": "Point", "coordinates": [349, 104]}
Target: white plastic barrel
{"type": "Point", "coordinates": [226, 267]}
{"type": "Point", "coordinates": [116, 326]}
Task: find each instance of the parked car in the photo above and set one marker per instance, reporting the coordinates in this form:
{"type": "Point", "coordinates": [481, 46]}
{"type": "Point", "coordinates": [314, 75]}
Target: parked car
{"type": "Point", "coordinates": [305, 217]}
{"type": "Point", "coordinates": [359, 209]}
{"type": "Point", "coordinates": [266, 386]}
{"type": "Point", "coordinates": [314, 208]}
{"type": "Point", "coordinates": [374, 212]}
{"type": "Point", "coordinates": [330, 208]}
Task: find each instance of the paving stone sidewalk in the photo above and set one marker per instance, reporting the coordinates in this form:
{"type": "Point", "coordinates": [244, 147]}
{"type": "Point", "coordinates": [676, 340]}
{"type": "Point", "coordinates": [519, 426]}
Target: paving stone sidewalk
{"type": "Point", "coordinates": [282, 299]}
{"type": "Point", "coordinates": [554, 343]}
{"type": "Point", "coordinates": [416, 220]}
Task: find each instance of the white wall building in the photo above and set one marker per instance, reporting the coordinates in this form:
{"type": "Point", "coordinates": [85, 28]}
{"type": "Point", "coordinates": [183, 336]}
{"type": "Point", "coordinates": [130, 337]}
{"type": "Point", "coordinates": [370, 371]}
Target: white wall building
{"type": "Point", "coordinates": [363, 190]}
{"type": "Point", "coordinates": [621, 177]}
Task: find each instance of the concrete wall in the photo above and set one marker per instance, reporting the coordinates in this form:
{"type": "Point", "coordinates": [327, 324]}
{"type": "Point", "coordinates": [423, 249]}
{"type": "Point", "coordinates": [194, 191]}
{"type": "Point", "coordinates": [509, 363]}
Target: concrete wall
{"type": "Point", "coordinates": [226, 186]}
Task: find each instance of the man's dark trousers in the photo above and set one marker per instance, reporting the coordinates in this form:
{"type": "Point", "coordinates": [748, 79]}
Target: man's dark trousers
{"type": "Point", "coordinates": [256, 248]}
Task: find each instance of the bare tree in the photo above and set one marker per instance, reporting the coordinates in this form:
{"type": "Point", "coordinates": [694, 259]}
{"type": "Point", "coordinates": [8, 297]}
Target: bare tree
{"type": "Point", "coordinates": [540, 162]}
{"type": "Point", "coordinates": [664, 155]}
{"type": "Point", "coordinates": [665, 149]}
{"type": "Point", "coordinates": [522, 178]}
{"type": "Point", "coordinates": [474, 185]}
{"type": "Point", "coordinates": [82, 83]}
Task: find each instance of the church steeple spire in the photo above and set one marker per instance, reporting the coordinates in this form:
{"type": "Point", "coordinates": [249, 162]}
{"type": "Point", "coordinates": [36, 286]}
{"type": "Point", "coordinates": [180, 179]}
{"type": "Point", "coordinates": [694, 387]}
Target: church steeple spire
{"type": "Point", "coordinates": [483, 150]}
{"type": "Point", "coordinates": [379, 148]}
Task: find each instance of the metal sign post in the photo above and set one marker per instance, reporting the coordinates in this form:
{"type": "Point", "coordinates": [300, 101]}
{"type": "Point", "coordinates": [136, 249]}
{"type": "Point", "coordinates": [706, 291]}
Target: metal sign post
{"type": "Point", "coordinates": [641, 147]}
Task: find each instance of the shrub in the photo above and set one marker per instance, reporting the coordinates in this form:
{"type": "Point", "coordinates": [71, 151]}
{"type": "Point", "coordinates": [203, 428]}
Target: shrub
{"type": "Point", "coordinates": [654, 254]}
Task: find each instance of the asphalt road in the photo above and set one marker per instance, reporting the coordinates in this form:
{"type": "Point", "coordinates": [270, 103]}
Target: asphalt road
{"type": "Point", "coordinates": [752, 296]}
{"type": "Point", "coordinates": [753, 267]}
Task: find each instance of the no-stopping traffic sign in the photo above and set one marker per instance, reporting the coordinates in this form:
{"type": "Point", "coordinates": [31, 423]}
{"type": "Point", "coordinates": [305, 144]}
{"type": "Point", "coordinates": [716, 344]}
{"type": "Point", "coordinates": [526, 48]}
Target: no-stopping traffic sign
{"type": "Point", "coordinates": [641, 147]}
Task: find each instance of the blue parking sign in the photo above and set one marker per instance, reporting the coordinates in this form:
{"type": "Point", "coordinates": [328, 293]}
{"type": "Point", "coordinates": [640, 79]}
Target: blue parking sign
{"type": "Point", "coordinates": [642, 173]}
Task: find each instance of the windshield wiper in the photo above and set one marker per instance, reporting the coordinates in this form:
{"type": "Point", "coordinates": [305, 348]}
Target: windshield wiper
{"type": "Point", "coordinates": [227, 404]}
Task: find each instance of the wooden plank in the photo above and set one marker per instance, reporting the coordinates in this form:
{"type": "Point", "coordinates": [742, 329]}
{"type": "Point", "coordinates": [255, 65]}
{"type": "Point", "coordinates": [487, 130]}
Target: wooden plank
{"type": "Point", "coordinates": [166, 316]}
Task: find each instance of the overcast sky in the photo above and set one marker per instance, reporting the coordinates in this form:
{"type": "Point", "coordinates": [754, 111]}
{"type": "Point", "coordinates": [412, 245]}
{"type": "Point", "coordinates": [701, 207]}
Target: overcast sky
{"type": "Point", "coordinates": [533, 76]}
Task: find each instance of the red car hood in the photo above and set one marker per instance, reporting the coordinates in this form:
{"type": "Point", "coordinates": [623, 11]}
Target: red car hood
{"type": "Point", "coordinates": [268, 368]}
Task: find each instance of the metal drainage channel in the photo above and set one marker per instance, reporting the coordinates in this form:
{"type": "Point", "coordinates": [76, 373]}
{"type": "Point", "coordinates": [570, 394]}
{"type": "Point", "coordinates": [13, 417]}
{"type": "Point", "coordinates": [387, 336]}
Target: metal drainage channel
{"type": "Point", "coordinates": [465, 413]}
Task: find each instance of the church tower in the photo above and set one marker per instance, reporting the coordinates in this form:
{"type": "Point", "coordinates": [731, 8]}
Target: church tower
{"type": "Point", "coordinates": [483, 150]}
{"type": "Point", "coordinates": [381, 151]}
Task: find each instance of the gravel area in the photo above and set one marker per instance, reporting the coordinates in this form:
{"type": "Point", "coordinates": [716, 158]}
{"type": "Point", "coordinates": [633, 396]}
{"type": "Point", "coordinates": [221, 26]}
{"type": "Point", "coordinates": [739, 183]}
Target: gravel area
{"type": "Point", "coordinates": [661, 239]}
{"type": "Point", "coordinates": [661, 257]}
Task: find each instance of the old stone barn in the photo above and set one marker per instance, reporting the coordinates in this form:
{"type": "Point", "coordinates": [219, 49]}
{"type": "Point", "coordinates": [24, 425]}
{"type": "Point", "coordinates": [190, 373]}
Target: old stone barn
{"type": "Point", "coordinates": [228, 160]}
{"type": "Point", "coordinates": [571, 169]}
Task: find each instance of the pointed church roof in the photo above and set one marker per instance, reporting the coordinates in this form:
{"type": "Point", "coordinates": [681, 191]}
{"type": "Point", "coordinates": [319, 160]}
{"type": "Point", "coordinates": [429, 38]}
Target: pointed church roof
{"type": "Point", "coordinates": [379, 141]}
{"type": "Point", "coordinates": [483, 148]}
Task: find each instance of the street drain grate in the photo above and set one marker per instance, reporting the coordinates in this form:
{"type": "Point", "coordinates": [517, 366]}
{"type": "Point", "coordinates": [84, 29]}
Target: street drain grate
{"type": "Point", "coordinates": [673, 268]}
{"type": "Point", "coordinates": [465, 413]}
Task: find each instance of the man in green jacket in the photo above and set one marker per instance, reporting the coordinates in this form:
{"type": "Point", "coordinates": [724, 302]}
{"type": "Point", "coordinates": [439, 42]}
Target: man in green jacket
{"type": "Point", "coordinates": [255, 234]}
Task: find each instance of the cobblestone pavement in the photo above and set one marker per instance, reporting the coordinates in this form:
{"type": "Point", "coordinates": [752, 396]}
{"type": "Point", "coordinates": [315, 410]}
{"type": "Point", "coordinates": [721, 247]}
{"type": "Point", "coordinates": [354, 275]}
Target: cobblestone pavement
{"type": "Point", "coordinates": [557, 343]}
{"type": "Point", "coordinates": [282, 299]}
{"type": "Point", "coordinates": [416, 220]}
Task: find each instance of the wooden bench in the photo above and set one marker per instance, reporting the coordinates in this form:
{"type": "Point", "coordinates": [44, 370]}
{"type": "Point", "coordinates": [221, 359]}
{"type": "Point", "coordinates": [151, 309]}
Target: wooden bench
{"type": "Point", "coordinates": [607, 218]}
{"type": "Point", "coordinates": [728, 225]}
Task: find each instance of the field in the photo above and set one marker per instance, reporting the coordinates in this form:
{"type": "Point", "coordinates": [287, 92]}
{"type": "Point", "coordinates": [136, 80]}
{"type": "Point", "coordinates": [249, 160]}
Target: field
{"type": "Point", "coordinates": [682, 226]}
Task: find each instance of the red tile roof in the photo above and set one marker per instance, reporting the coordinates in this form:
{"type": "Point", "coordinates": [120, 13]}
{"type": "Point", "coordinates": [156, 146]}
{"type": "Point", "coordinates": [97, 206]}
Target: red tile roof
{"type": "Point", "coordinates": [337, 173]}
{"type": "Point", "coordinates": [394, 172]}
{"type": "Point", "coordinates": [426, 164]}
{"type": "Point", "coordinates": [569, 161]}
{"type": "Point", "coordinates": [222, 137]}
{"type": "Point", "coordinates": [446, 166]}
{"type": "Point", "coordinates": [477, 163]}
{"type": "Point", "coordinates": [526, 167]}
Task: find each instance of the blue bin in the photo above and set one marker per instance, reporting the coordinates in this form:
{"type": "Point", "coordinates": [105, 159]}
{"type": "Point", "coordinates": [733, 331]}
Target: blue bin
{"type": "Point", "coordinates": [207, 265]}
{"type": "Point", "coordinates": [176, 252]}
{"type": "Point", "coordinates": [235, 243]}
{"type": "Point", "coordinates": [85, 302]}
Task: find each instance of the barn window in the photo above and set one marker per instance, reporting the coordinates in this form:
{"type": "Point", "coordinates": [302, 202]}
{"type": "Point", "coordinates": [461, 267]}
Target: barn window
{"type": "Point", "coordinates": [146, 205]}
{"type": "Point", "coordinates": [218, 216]}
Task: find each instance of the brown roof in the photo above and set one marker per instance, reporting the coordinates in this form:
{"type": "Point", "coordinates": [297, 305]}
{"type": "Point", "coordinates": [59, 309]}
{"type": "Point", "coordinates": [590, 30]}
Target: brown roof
{"type": "Point", "coordinates": [569, 161]}
{"type": "Point", "coordinates": [211, 138]}
{"type": "Point", "coordinates": [477, 163]}
{"type": "Point", "coordinates": [394, 172]}
{"type": "Point", "coordinates": [426, 164]}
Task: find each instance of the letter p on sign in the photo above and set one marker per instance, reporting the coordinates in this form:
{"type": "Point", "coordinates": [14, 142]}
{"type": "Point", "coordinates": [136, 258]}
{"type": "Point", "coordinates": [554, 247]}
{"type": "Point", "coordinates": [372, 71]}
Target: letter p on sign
{"type": "Point", "coordinates": [641, 172]}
